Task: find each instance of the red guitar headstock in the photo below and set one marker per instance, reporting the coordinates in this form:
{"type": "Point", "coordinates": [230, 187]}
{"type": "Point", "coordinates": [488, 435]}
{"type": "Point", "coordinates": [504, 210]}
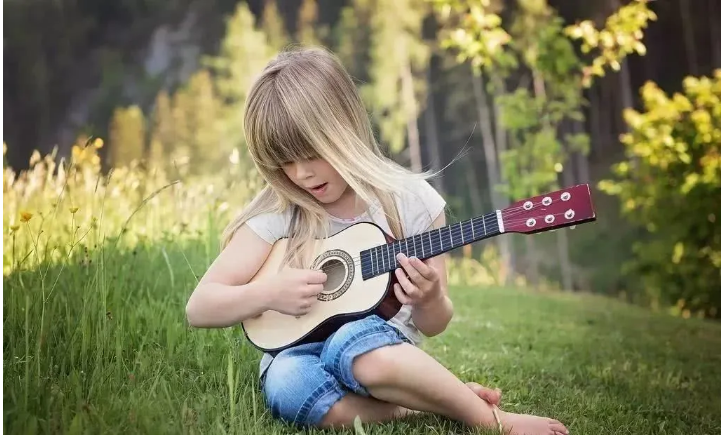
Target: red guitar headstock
{"type": "Point", "coordinates": [567, 207]}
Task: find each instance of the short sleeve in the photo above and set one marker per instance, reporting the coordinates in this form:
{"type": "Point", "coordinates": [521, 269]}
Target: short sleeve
{"type": "Point", "coordinates": [270, 226]}
{"type": "Point", "coordinates": [421, 207]}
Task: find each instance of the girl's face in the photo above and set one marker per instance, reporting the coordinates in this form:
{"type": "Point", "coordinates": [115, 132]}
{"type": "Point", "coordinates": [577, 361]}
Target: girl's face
{"type": "Point", "coordinates": [317, 177]}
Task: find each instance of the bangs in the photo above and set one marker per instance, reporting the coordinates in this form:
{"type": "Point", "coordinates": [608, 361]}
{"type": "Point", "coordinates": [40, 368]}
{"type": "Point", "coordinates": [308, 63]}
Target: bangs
{"type": "Point", "coordinates": [277, 139]}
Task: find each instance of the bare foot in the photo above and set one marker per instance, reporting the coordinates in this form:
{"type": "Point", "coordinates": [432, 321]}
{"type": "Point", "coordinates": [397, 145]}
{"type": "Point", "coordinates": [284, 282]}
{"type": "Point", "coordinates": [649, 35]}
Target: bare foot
{"type": "Point", "coordinates": [493, 397]}
{"type": "Point", "coordinates": [527, 424]}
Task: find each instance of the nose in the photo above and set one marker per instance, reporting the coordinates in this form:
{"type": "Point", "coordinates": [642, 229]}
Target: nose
{"type": "Point", "coordinates": [303, 170]}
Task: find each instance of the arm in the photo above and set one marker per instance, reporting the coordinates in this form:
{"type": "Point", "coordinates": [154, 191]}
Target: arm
{"type": "Point", "coordinates": [223, 296]}
{"type": "Point", "coordinates": [432, 317]}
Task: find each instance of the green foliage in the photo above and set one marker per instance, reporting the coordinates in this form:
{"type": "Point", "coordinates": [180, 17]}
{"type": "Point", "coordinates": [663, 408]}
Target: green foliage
{"type": "Point", "coordinates": [274, 26]}
{"type": "Point", "coordinates": [621, 36]}
{"type": "Point", "coordinates": [535, 41]}
{"type": "Point", "coordinates": [398, 59]}
{"type": "Point", "coordinates": [671, 185]}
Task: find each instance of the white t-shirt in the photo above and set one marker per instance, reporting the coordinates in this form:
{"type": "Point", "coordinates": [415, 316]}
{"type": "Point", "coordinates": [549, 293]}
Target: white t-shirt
{"type": "Point", "coordinates": [418, 210]}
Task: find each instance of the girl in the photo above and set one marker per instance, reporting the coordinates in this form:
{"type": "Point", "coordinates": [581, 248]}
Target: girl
{"type": "Point", "coordinates": [311, 139]}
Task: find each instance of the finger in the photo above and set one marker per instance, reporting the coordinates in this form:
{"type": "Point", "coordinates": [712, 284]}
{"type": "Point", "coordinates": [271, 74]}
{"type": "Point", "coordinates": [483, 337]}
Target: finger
{"type": "Point", "coordinates": [416, 277]}
{"type": "Point", "coordinates": [428, 272]}
{"type": "Point", "coordinates": [406, 284]}
{"type": "Point", "coordinates": [400, 295]}
{"type": "Point", "coordinates": [316, 277]}
{"type": "Point", "coordinates": [313, 290]}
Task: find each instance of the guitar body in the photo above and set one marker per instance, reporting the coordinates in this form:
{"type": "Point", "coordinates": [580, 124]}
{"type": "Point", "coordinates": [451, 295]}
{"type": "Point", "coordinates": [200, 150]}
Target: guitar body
{"type": "Point", "coordinates": [346, 296]}
{"type": "Point", "coordinates": [360, 262]}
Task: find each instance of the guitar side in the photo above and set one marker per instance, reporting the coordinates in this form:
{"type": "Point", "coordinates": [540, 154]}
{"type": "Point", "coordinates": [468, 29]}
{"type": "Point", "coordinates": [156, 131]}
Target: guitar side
{"type": "Point", "coordinates": [346, 296]}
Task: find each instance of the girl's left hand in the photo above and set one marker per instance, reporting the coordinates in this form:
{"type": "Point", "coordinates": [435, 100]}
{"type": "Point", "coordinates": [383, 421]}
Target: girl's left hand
{"type": "Point", "coordinates": [419, 283]}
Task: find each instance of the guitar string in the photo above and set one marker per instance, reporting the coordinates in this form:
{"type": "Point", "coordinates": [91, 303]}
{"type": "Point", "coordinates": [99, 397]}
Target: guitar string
{"type": "Point", "coordinates": [510, 214]}
{"type": "Point", "coordinates": [491, 229]}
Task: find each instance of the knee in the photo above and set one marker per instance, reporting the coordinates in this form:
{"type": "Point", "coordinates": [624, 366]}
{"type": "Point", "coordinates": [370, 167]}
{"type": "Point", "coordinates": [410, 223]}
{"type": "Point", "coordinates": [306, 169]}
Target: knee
{"type": "Point", "coordinates": [298, 390]}
{"type": "Point", "coordinates": [279, 377]}
{"type": "Point", "coordinates": [377, 367]}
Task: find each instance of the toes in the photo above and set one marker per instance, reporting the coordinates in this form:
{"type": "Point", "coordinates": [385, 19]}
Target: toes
{"type": "Point", "coordinates": [490, 396]}
{"type": "Point", "coordinates": [558, 427]}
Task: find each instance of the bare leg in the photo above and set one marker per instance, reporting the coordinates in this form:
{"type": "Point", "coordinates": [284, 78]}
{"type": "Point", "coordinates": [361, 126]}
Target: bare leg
{"type": "Point", "coordinates": [405, 375]}
{"type": "Point", "coordinates": [372, 410]}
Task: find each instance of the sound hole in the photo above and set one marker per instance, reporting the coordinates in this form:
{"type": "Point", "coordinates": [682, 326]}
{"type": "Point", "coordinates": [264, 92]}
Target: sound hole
{"type": "Point", "coordinates": [336, 272]}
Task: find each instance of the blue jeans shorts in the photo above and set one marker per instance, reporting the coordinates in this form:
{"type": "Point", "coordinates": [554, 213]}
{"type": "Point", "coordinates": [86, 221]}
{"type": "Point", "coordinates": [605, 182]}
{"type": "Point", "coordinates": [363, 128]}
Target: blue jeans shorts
{"type": "Point", "coordinates": [303, 382]}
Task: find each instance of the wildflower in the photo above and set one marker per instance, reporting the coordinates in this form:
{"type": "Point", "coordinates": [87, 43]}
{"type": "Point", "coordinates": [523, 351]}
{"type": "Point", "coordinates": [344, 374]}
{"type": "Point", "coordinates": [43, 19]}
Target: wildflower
{"type": "Point", "coordinates": [25, 216]}
{"type": "Point", "coordinates": [98, 143]}
{"type": "Point", "coordinates": [14, 227]}
{"type": "Point", "coordinates": [73, 209]}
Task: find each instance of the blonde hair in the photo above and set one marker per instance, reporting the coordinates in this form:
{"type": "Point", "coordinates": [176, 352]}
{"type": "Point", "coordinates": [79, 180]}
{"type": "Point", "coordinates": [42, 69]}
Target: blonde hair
{"type": "Point", "coordinates": [305, 105]}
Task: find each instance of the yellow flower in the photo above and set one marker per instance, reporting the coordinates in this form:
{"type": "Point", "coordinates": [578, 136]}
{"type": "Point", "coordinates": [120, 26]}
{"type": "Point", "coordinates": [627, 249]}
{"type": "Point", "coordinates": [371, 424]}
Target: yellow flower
{"type": "Point", "coordinates": [98, 143]}
{"type": "Point", "coordinates": [14, 227]}
{"type": "Point", "coordinates": [25, 216]}
{"type": "Point", "coordinates": [73, 209]}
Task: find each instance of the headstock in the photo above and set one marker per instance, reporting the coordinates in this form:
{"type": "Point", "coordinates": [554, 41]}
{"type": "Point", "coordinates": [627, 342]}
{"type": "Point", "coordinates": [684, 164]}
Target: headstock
{"type": "Point", "coordinates": [567, 207]}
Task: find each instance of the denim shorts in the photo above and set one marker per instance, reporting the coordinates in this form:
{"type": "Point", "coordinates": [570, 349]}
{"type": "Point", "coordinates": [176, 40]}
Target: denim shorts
{"type": "Point", "coordinates": [303, 382]}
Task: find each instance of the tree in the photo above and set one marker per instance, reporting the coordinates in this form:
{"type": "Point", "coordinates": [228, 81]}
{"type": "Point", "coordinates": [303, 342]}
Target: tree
{"type": "Point", "coordinates": [309, 31]}
{"type": "Point", "coordinates": [670, 184]}
{"type": "Point", "coordinates": [399, 58]}
{"type": "Point", "coordinates": [127, 136]}
{"type": "Point", "coordinates": [273, 26]}
{"type": "Point", "coordinates": [243, 54]}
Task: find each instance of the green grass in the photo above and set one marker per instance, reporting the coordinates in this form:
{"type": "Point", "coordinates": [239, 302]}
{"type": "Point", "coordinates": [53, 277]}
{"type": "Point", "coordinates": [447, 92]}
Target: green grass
{"type": "Point", "coordinates": [101, 346]}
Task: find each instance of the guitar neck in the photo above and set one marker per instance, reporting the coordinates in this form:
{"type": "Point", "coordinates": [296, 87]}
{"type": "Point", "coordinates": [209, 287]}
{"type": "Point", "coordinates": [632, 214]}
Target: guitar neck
{"type": "Point", "coordinates": [382, 259]}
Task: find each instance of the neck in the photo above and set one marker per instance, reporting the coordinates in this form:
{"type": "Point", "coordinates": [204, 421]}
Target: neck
{"type": "Point", "coordinates": [382, 259]}
{"type": "Point", "coordinates": [347, 206]}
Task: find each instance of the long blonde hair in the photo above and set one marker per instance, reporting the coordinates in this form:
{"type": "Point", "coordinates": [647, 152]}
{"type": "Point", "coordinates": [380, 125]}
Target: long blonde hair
{"type": "Point", "coordinates": [305, 105]}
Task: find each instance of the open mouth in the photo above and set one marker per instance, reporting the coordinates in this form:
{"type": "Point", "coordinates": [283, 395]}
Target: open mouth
{"type": "Point", "coordinates": [319, 189]}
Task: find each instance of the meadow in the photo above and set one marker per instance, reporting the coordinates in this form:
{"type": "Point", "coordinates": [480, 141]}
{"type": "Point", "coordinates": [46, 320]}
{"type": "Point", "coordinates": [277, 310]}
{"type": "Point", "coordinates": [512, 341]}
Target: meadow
{"type": "Point", "coordinates": [98, 268]}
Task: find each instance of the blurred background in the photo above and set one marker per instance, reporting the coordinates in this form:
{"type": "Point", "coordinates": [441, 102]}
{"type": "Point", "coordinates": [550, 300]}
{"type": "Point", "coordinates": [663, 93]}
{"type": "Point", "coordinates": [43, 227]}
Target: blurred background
{"type": "Point", "coordinates": [124, 158]}
{"type": "Point", "coordinates": [536, 94]}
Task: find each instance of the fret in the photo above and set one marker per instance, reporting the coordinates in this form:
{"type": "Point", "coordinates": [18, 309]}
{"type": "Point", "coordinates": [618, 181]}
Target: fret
{"type": "Point", "coordinates": [473, 232]}
{"type": "Point", "coordinates": [423, 248]}
{"type": "Point", "coordinates": [440, 241]}
{"type": "Point", "coordinates": [450, 232]}
{"type": "Point", "coordinates": [484, 225]}
{"type": "Point", "coordinates": [392, 261]}
{"type": "Point", "coordinates": [415, 249]}
{"type": "Point", "coordinates": [463, 237]}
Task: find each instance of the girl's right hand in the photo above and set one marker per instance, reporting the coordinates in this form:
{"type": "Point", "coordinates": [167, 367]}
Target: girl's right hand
{"type": "Point", "coordinates": [294, 291]}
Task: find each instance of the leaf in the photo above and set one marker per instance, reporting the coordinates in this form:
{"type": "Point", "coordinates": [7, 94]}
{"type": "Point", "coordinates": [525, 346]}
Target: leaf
{"type": "Point", "coordinates": [358, 426]}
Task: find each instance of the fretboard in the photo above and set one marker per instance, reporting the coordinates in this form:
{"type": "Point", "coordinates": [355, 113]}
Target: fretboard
{"type": "Point", "coordinates": [382, 259]}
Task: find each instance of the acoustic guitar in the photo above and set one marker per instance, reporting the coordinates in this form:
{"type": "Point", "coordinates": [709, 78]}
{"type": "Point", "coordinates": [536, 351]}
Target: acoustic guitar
{"type": "Point", "coordinates": [360, 260]}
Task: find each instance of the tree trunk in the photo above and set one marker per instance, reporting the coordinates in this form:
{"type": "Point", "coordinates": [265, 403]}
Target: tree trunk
{"type": "Point", "coordinates": [507, 252]}
{"type": "Point", "coordinates": [625, 79]}
{"type": "Point", "coordinates": [597, 139]}
{"type": "Point", "coordinates": [688, 39]}
{"type": "Point", "coordinates": [581, 159]}
{"type": "Point", "coordinates": [562, 241]}
{"type": "Point", "coordinates": [713, 17]}
{"type": "Point", "coordinates": [473, 187]}
{"type": "Point", "coordinates": [431, 125]}
{"type": "Point", "coordinates": [492, 168]}
{"type": "Point", "coordinates": [411, 106]}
